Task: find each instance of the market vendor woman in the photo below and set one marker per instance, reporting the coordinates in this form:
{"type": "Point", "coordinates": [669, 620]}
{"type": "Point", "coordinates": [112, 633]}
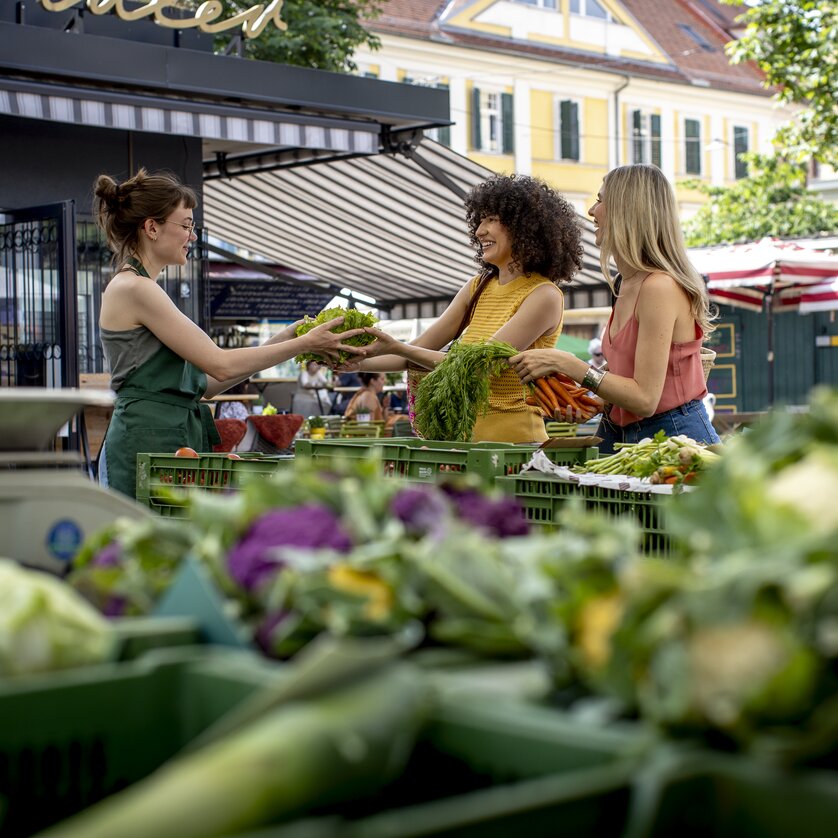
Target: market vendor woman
{"type": "Point", "coordinates": [528, 246]}
{"type": "Point", "coordinates": [161, 363]}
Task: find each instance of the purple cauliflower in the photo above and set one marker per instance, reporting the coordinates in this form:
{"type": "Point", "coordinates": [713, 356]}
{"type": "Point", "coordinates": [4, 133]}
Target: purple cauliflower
{"type": "Point", "coordinates": [421, 510]}
{"type": "Point", "coordinates": [502, 517]}
{"type": "Point", "coordinates": [251, 561]}
{"type": "Point", "coordinates": [109, 556]}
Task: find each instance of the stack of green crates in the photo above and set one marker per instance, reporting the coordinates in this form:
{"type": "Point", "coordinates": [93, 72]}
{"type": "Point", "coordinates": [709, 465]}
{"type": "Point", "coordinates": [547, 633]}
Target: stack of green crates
{"type": "Point", "coordinates": [544, 495]}
{"type": "Point", "coordinates": [479, 768]}
{"type": "Point", "coordinates": [70, 738]}
{"type": "Point", "coordinates": [422, 460]}
{"type": "Point", "coordinates": [158, 473]}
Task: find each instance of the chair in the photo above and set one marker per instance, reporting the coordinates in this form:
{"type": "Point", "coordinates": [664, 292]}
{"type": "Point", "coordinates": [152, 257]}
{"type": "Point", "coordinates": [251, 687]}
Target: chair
{"type": "Point", "coordinates": [232, 432]}
{"type": "Point", "coordinates": [351, 429]}
{"type": "Point", "coordinates": [402, 427]}
{"type": "Point", "coordinates": [560, 429]}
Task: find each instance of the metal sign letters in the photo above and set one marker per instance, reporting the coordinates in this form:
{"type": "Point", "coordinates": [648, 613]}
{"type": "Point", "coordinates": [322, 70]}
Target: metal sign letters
{"type": "Point", "coordinates": [205, 17]}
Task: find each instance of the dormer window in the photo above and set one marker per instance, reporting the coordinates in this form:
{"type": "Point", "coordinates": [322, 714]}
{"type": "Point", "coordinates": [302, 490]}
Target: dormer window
{"type": "Point", "coordinates": [590, 8]}
{"type": "Point", "coordinates": [541, 4]}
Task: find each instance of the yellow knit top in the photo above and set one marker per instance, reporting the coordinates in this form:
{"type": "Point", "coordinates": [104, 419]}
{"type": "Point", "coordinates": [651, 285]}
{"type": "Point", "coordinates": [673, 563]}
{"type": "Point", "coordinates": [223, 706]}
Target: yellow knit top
{"type": "Point", "coordinates": [494, 309]}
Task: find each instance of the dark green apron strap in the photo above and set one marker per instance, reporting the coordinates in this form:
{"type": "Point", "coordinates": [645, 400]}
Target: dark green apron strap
{"type": "Point", "coordinates": [211, 435]}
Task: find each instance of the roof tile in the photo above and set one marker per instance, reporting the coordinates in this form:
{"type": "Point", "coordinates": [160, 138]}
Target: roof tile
{"type": "Point", "coordinates": [692, 33]}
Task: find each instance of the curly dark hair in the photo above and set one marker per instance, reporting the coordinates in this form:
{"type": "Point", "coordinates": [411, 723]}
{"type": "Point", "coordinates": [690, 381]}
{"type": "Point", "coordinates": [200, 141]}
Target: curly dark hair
{"type": "Point", "coordinates": [542, 225]}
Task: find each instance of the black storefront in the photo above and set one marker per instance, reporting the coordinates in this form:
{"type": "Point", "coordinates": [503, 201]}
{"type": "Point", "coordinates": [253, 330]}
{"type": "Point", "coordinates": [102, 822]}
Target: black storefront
{"type": "Point", "coordinates": [82, 94]}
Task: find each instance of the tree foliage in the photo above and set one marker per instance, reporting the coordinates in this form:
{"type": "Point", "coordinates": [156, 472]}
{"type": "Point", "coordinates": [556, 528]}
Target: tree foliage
{"type": "Point", "coordinates": [321, 34]}
{"type": "Point", "coordinates": [771, 201]}
{"type": "Point", "coordinates": [795, 43]}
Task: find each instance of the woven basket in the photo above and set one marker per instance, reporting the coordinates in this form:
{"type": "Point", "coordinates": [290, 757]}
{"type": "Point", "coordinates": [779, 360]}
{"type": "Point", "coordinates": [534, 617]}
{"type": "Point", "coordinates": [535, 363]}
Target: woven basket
{"type": "Point", "coordinates": [708, 358]}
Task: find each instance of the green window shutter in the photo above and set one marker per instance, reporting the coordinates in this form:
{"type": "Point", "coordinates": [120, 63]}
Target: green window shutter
{"type": "Point", "coordinates": [637, 151]}
{"type": "Point", "coordinates": [692, 146]}
{"type": "Point", "coordinates": [569, 125]}
{"type": "Point", "coordinates": [740, 146]}
{"type": "Point", "coordinates": [655, 125]}
{"type": "Point", "coordinates": [507, 118]}
{"type": "Point", "coordinates": [476, 141]}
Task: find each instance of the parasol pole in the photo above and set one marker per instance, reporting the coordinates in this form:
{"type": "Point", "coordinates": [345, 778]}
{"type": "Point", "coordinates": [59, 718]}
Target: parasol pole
{"type": "Point", "coordinates": [769, 305]}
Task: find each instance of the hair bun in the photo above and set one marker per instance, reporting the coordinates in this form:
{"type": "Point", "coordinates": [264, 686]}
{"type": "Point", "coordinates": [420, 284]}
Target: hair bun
{"type": "Point", "coordinates": [106, 190]}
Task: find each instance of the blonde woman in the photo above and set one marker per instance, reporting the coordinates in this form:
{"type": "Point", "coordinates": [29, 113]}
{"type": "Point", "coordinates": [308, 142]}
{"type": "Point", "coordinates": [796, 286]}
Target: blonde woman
{"type": "Point", "coordinates": [652, 341]}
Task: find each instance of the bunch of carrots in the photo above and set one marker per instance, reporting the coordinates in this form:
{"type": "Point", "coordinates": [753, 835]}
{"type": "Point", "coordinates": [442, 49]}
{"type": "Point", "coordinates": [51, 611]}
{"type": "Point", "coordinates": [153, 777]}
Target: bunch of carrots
{"type": "Point", "coordinates": [554, 393]}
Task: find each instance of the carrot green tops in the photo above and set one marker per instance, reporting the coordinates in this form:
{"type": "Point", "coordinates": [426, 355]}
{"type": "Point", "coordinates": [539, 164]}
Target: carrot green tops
{"type": "Point", "coordinates": [496, 306]}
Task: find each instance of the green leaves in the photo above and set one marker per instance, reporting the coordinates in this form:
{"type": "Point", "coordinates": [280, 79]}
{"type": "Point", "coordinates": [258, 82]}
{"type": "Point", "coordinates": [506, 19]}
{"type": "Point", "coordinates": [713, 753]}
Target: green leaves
{"type": "Point", "coordinates": [321, 34]}
{"type": "Point", "coordinates": [450, 398]}
{"type": "Point", "coordinates": [352, 319]}
{"type": "Point", "coordinates": [772, 201]}
{"type": "Point", "coordinates": [795, 43]}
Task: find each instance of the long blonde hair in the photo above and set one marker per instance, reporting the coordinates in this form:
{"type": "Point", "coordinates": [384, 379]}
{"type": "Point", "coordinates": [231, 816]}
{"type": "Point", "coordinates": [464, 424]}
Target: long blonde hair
{"type": "Point", "coordinates": [644, 229]}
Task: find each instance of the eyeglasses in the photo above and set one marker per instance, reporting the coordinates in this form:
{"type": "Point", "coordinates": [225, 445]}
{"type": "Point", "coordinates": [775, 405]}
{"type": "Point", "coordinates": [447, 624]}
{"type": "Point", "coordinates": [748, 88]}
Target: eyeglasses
{"type": "Point", "coordinates": [190, 228]}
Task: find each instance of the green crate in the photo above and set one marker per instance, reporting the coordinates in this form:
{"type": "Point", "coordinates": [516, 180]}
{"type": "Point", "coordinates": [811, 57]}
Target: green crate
{"type": "Point", "coordinates": [543, 496]}
{"type": "Point", "coordinates": [70, 738]}
{"type": "Point", "coordinates": [702, 793]}
{"type": "Point", "coordinates": [421, 460]}
{"type": "Point", "coordinates": [494, 770]}
{"type": "Point", "coordinates": [207, 472]}
{"type": "Point", "coordinates": [138, 635]}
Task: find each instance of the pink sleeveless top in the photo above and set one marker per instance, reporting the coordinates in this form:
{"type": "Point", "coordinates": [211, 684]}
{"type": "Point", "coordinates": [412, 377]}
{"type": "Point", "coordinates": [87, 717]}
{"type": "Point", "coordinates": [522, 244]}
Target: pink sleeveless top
{"type": "Point", "coordinates": [684, 374]}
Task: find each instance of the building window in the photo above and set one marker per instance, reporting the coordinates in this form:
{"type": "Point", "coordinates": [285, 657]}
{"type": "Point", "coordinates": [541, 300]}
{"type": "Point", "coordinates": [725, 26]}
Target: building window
{"type": "Point", "coordinates": [590, 8]}
{"type": "Point", "coordinates": [492, 121]}
{"type": "Point", "coordinates": [443, 133]}
{"type": "Point", "coordinates": [697, 37]}
{"type": "Point", "coordinates": [645, 138]}
{"type": "Point", "coordinates": [568, 130]}
{"type": "Point", "coordinates": [740, 146]}
{"type": "Point", "coordinates": [692, 147]}
{"type": "Point", "coordinates": [541, 4]}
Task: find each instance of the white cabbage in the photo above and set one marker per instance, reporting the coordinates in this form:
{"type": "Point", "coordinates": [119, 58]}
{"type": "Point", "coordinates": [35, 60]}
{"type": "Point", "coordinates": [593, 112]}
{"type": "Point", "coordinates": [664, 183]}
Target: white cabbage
{"type": "Point", "coordinates": [46, 625]}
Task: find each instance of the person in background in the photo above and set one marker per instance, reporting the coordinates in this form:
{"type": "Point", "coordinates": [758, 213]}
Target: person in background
{"type": "Point", "coordinates": [161, 363]}
{"type": "Point", "coordinates": [660, 318]}
{"type": "Point", "coordinates": [528, 246]}
{"type": "Point", "coordinates": [597, 360]}
{"type": "Point", "coordinates": [312, 397]}
{"type": "Point", "coordinates": [368, 401]}
{"type": "Point", "coordinates": [345, 379]}
{"type": "Point", "coordinates": [234, 409]}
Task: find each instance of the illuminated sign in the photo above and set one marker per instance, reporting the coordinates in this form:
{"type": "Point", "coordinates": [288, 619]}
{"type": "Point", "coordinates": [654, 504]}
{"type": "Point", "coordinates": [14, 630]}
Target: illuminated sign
{"type": "Point", "coordinates": [205, 17]}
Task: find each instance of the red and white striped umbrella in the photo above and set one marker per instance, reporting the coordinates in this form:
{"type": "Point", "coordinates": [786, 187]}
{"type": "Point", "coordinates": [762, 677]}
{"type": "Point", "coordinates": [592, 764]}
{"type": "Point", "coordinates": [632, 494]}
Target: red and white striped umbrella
{"type": "Point", "coordinates": [745, 275]}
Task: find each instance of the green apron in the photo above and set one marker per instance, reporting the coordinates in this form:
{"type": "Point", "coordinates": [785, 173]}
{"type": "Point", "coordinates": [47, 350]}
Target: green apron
{"type": "Point", "coordinates": [158, 410]}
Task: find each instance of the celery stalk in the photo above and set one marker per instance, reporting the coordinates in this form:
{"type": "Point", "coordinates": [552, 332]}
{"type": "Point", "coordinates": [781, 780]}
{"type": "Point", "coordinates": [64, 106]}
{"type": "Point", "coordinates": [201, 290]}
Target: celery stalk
{"type": "Point", "coordinates": [304, 754]}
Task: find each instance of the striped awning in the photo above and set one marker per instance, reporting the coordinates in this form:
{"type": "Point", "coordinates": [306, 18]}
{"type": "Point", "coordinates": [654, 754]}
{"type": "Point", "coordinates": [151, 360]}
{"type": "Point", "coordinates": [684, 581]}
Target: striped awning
{"type": "Point", "coordinates": [389, 226]}
{"type": "Point", "coordinates": [746, 275]}
{"type": "Point", "coordinates": [102, 108]}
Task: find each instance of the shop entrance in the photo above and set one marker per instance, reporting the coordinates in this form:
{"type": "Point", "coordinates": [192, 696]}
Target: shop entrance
{"type": "Point", "coordinates": [38, 340]}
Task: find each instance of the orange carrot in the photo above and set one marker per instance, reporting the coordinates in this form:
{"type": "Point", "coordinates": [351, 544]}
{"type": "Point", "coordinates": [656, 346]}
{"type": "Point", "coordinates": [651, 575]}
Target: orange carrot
{"type": "Point", "coordinates": [547, 393]}
{"type": "Point", "coordinates": [563, 394]}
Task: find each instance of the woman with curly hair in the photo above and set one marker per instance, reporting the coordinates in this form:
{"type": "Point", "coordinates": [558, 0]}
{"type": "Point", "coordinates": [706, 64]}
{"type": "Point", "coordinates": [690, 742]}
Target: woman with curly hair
{"type": "Point", "coordinates": [528, 245]}
{"type": "Point", "coordinates": [652, 342]}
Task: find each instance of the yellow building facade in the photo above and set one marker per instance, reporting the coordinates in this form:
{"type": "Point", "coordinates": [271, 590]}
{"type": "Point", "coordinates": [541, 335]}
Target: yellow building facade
{"type": "Point", "coordinates": [568, 89]}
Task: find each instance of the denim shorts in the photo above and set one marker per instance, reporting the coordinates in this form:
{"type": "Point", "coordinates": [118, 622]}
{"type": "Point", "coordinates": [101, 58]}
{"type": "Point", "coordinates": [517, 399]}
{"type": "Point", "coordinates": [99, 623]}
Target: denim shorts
{"type": "Point", "coordinates": [690, 420]}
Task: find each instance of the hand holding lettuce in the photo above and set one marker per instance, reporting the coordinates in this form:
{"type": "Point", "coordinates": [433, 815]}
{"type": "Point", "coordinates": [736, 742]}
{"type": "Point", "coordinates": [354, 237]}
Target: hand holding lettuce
{"type": "Point", "coordinates": [352, 319]}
